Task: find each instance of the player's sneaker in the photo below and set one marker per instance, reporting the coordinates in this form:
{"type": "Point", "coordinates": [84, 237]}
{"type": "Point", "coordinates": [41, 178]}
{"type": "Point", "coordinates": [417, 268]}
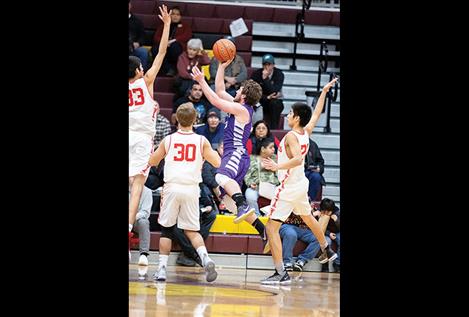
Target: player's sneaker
{"type": "Point", "coordinates": [277, 278]}
{"type": "Point", "coordinates": [210, 273]}
{"type": "Point", "coordinates": [161, 274]}
{"type": "Point", "coordinates": [244, 211]}
{"type": "Point", "coordinates": [327, 255]}
{"type": "Point", "coordinates": [143, 260]}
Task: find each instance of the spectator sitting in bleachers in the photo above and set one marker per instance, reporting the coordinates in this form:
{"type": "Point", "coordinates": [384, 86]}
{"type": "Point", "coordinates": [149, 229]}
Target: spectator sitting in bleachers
{"type": "Point", "coordinates": [213, 129]}
{"type": "Point", "coordinates": [136, 39]}
{"type": "Point", "coordinates": [329, 219]}
{"type": "Point", "coordinates": [142, 224]}
{"type": "Point", "coordinates": [260, 130]}
{"type": "Point", "coordinates": [256, 173]}
{"type": "Point", "coordinates": [189, 256]}
{"type": "Point", "coordinates": [235, 74]}
{"type": "Point", "coordinates": [179, 33]}
{"type": "Point", "coordinates": [197, 98]}
{"type": "Point", "coordinates": [294, 229]}
{"type": "Point", "coordinates": [314, 169]}
{"type": "Point", "coordinates": [271, 80]}
{"type": "Point", "coordinates": [195, 55]}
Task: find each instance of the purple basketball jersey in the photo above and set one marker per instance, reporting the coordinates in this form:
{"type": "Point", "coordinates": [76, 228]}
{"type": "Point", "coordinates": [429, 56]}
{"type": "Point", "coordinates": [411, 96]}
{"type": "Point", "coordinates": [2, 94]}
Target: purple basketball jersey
{"type": "Point", "coordinates": [235, 159]}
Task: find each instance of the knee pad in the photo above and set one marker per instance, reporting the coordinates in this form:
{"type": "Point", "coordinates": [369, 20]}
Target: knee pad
{"type": "Point", "coordinates": [221, 179]}
{"type": "Point", "coordinates": [167, 232]}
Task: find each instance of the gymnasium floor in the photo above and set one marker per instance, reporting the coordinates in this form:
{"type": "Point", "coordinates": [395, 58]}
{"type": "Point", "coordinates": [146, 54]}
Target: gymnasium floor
{"type": "Point", "coordinates": [236, 292]}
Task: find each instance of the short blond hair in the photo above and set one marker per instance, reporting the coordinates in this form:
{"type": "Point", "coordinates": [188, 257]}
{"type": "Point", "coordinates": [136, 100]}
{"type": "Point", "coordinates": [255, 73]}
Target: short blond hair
{"type": "Point", "coordinates": [186, 114]}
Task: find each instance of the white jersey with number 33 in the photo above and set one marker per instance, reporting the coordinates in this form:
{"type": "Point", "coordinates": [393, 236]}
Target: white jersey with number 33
{"type": "Point", "coordinates": [183, 161]}
{"type": "Point", "coordinates": [142, 108]}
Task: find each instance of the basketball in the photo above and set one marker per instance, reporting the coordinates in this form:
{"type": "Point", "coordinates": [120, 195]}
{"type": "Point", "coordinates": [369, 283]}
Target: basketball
{"type": "Point", "coordinates": [224, 49]}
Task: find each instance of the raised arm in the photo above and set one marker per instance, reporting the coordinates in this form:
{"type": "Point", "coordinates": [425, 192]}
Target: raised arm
{"type": "Point", "coordinates": [228, 106]}
{"type": "Point", "coordinates": [220, 88]}
{"type": "Point", "coordinates": [155, 67]}
{"type": "Point", "coordinates": [210, 155]}
{"type": "Point", "coordinates": [319, 106]}
{"type": "Point", "coordinates": [296, 157]}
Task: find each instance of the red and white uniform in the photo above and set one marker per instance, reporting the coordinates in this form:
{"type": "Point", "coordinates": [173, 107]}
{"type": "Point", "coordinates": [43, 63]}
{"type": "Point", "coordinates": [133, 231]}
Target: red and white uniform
{"type": "Point", "coordinates": [292, 193]}
{"type": "Point", "coordinates": [182, 175]}
{"type": "Point", "coordinates": [142, 115]}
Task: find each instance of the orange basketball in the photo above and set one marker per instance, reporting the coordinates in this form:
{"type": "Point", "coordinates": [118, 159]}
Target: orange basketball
{"type": "Point", "coordinates": [224, 49]}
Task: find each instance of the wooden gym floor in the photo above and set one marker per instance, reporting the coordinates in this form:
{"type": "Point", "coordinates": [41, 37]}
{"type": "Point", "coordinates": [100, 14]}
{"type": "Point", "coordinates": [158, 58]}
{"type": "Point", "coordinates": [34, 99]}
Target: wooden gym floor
{"type": "Point", "coordinates": [235, 293]}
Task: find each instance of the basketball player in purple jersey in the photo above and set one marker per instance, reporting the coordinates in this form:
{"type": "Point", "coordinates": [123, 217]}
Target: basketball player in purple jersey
{"type": "Point", "coordinates": [238, 124]}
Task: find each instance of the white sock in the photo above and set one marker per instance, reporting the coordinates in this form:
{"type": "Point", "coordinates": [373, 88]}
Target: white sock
{"type": "Point", "coordinates": [279, 267]}
{"type": "Point", "coordinates": [130, 227]}
{"type": "Point", "coordinates": [163, 260]}
{"type": "Point", "coordinates": [202, 252]}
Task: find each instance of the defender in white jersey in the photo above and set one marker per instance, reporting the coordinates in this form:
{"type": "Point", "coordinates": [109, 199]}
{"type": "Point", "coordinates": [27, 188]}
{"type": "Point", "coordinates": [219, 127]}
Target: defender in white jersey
{"type": "Point", "coordinates": [142, 113]}
{"type": "Point", "coordinates": [292, 193]}
{"type": "Point", "coordinates": [184, 153]}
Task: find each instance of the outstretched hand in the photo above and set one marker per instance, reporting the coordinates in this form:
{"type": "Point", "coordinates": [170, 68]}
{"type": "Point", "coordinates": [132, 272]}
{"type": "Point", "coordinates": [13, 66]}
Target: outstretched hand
{"type": "Point", "coordinates": [197, 74]}
{"type": "Point", "coordinates": [225, 64]}
{"type": "Point", "coordinates": [269, 164]}
{"type": "Point", "coordinates": [165, 15]}
{"type": "Point", "coordinates": [329, 85]}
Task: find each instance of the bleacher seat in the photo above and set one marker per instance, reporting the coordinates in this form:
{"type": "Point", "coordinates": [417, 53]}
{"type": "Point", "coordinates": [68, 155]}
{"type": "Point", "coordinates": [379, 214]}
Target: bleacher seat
{"type": "Point", "coordinates": [206, 25]}
{"type": "Point", "coordinates": [229, 12]}
{"type": "Point", "coordinates": [143, 7]}
{"type": "Point", "coordinates": [164, 84]}
{"type": "Point", "coordinates": [250, 71]}
{"type": "Point", "coordinates": [284, 15]}
{"type": "Point", "coordinates": [166, 112]}
{"type": "Point", "coordinates": [243, 43]}
{"type": "Point", "coordinates": [259, 14]}
{"type": "Point", "coordinates": [165, 99]}
{"type": "Point", "coordinates": [226, 26]}
{"type": "Point", "coordinates": [318, 17]}
{"type": "Point", "coordinates": [150, 21]}
{"type": "Point", "coordinates": [279, 133]}
{"type": "Point", "coordinates": [171, 4]}
{"type": "Point", "coordinates": [204, 10]}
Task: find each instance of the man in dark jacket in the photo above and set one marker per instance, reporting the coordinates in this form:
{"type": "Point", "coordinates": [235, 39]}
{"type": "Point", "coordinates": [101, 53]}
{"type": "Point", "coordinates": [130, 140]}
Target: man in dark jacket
{"type": "Point", "coordinates": [314, 168]}
{"type": "Point", "coordinates": [271, 80]}
{"type": "Point", "coordinates": [136, 39]}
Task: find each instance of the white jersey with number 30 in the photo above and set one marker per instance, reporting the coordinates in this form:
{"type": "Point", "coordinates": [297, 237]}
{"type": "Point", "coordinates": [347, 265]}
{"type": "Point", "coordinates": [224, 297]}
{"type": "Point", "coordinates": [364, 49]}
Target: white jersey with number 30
{"type": "Point", "coordinates": [183, 161]}
{"type": "Point", "coordinates": [142, 108]}
{"type": "Point", "coordinates": [295, 174]}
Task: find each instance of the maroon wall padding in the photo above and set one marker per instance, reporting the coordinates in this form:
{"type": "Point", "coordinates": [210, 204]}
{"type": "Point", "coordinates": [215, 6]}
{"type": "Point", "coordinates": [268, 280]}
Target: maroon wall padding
{"type": "Point", "coordinates": [207, 25]}
{"type": "Point", "coordinates": [164, 84]}
{"type": "Point", "coordinates": [259, 14]}
{"type": "Point", "coordinates": [225, 243]}
{"type": "Point", "coordinates": [229, 12]}
{"type": "Point", "coordinates": [165, 99]}
{"type": "Point", "coordinates": [143, 7]}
